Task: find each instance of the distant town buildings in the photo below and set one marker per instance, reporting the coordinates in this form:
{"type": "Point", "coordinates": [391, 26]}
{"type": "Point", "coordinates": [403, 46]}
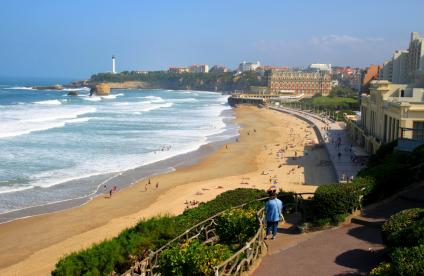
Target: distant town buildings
{"type": "Point", "coordinates": [195, 68]}
{"type": "Point", "coordinates": [320, 67]}
{"type": "Point", "coordinates": [179, 70]}
{"type": "Point", "coordinates": [219, 69]}
{"type": "Point", "coordinates": [348, 77]}
{"type": "Point", "coordinates": [370, 74]}
{"type": "Point", "coordinates": [248, 66]}
{"type": "Point", "coordinates": [199, 68]}
{"type": "Point", "coordinates": [305, 83]}
{"type": "Point", "coordinates": [405, 65]}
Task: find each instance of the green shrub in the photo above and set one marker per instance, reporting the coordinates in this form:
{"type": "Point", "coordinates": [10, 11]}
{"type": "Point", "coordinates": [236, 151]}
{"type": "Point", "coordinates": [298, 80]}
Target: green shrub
{"type": "Point", "coordinates": [237, 226]}
{"type": "Point", "coordinates": [192, 258]}
{"type": "Point", "coordinates": [382, 153]}
{"type": "Point", "coordinates": [288, 199]}
{"type": "Point", "coordinates": [118, 253]}
{"type": "Point", "coordinates": [220, 203]}
{"type": "Point", "coordinates": [390, 175]}
{"type": "Point", "coordinates": [404, 228]}
{"type": "Point", "coordinates": [334, 201]}
{"type": "Point", "coordinates": [395, 230]}
{"type": "Point", "coordinates": [383, 269]}
{"type": "Point", "coordinates": [408, 260]}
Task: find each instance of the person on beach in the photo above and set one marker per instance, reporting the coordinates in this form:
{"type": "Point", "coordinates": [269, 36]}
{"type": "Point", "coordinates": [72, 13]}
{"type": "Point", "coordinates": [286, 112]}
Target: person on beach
{"type": "Point", "coordinates": [110, 193]}
{"type": "Point", "coordinates": [157, 185]}
{"type": "Point", "coordinates": [273, 213]}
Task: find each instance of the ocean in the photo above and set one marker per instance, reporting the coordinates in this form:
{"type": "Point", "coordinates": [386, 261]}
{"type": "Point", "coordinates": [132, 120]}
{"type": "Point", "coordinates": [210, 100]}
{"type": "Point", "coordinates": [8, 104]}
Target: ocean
{"type": "Point", "coordinates": [56, 148]}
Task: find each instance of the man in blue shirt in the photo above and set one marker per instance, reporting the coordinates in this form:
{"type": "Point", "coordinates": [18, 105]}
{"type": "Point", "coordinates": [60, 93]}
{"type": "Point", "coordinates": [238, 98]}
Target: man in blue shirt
{"type": "Point", "coordinates": [273, 213]}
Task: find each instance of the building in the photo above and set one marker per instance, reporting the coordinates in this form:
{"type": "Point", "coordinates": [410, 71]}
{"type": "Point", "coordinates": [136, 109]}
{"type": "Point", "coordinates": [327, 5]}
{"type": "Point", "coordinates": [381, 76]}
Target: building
{"type": "Point", "coordinates": [248, 66]}
{"type": "Point", "coordinates": [199, 68]}
{"type": "Point", "coordinates": [400, 67]}
{"type": "Point", "coordinates": [113, 65]}
{"type": "Point", "coordinates": [405, 65]}
{"type": "Point", "coordinates": [179, 70]}
{"type": "Point", "coordinates": [386, 71]}
{"type": "Point", "coordinates": [348, 77]}
{"type": "Point", "coordinates": [320, 67]}
{"type": "Point", "coordinates": [219, 69]}
{"type": "Point", "coordinates": [305, 83]}
{"type": "Point", "coordinates": [370, 74]}
{"type": "Point", "coordinates": [390, 112]}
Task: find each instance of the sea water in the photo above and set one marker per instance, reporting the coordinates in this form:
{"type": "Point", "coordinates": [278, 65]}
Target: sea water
{"type": "Point", "coordinates": [55, 147]}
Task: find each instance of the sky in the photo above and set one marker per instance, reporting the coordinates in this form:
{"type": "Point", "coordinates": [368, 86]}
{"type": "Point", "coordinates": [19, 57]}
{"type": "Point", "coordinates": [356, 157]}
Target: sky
{"type": "Point", "coordinates": [75, 39]}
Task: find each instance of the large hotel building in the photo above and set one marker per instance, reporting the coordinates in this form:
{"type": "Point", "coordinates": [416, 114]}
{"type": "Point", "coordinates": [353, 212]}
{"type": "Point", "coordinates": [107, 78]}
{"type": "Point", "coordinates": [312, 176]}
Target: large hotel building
{"type": "Point", "coordinates": [296, 83]}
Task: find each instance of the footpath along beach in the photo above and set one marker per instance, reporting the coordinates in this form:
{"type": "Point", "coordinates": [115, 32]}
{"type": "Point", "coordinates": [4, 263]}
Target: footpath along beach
{"type": "Point", "coordinates": [273, 149]}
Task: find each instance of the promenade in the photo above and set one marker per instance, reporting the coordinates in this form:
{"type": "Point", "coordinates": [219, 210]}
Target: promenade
{"type": "Point", "coordinates": [353, 248]}
{"type": "Point", "coordinates": [336, 140]}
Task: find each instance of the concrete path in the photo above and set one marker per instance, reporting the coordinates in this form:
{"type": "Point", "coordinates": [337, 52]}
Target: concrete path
{"type": "Point", "coordinates": [351, 249]}
{"type": "Point", "coordinates": [331, 132]}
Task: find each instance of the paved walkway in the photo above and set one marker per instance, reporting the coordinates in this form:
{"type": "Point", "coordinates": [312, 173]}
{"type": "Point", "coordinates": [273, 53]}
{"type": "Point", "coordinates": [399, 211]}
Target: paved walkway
{"type": "Point", "coordinates": [351, 249]}
{"type": "Point", "coordinates": [330, 133]}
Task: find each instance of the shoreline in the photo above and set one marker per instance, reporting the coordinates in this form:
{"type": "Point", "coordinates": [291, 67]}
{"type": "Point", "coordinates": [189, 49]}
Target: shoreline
{"type": "Point", "coordinates": [129, 177]}
{"type": "Point", "coordinates": [32, 246]}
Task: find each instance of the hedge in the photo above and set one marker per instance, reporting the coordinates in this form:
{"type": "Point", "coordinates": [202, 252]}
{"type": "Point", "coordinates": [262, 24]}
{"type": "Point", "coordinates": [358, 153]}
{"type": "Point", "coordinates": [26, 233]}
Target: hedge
{"type": "Point", "coordinates": [132, 244]}
{"type": "Point", "coordinates": [403, 233]}
{"type": "Point", "coordinates": [332, 202]}
{"type": "Point", "coordinates": [402, 227]}
{"type": "Point", "coordinates": [236, 226]}
{"type": "Point", "coordinates": [408, 260]}
{"type": "Point", "coordinates": [192, 258]}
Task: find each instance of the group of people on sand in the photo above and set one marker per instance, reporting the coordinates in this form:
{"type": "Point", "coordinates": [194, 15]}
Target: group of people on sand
{"type": "Point", "coordinates": [149, 183]}
{"type": "Point", "coordinates": [191, 203]}
{"type": "Point", "coordinates": [111, 191]}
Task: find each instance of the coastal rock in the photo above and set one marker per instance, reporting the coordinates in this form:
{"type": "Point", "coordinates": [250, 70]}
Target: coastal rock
{"type": "Point", "coordinates": [49, 87]}
{"type": "Point", "coordinates": [101, 89]}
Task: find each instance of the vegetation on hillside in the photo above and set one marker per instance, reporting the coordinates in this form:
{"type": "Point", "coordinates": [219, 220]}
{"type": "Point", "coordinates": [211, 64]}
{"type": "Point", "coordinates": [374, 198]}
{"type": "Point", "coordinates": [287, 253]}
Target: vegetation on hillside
{"type": "Point", "coordinates": [119, 253]}
{"type": "Point", "coordinates": [340, 99]}
{"type": "Point", "coordinates": [214, 81]}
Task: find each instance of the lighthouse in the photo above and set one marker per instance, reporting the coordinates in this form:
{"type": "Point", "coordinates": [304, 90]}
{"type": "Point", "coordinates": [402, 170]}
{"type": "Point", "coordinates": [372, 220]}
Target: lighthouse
{"type": "Point", "coordinates": [113, 65]}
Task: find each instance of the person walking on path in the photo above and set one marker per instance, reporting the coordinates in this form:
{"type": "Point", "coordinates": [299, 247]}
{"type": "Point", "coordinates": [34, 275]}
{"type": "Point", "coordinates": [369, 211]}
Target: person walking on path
{"type": "Point", "coordinates": [273, 213]}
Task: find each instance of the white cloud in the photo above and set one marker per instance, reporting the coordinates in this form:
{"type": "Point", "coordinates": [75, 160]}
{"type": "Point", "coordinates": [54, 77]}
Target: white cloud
{"type": "Point", "coordinates": [333, 39]}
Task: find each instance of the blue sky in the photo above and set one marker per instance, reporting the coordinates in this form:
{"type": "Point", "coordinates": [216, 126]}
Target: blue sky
{"type": "Point", "coordinates": [58, 38]}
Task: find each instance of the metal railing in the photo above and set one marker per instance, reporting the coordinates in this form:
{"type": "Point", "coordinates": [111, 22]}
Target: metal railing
{"type": "Point", "coordinates": [205, 231]}
{"type": "Point", "coordinates": [243, 259]}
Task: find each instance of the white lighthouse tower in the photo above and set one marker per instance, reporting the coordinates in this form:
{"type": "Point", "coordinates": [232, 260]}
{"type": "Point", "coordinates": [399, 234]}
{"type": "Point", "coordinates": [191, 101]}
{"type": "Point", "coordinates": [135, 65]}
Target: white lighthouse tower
{"type": "Point", "coordinates": [113, 65]}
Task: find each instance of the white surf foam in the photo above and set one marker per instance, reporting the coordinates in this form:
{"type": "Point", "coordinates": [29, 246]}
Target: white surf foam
{"type": "Point", "coordinates": [21, 88]}
{"type": "Point", "coordinates": [26, 119]}
{"type": "Point", "coordinates": [154, 99]}
{"type": "Point", "coordinates": [112, 96]}
{"type": "Point", "coordinates": [87, 89]}
{"type": "Point", "coordinates": [49, 102]}
{"type": "Point", "coordinates": [92, 99]}
{"type": "Point", "coordinates": [186, 100]}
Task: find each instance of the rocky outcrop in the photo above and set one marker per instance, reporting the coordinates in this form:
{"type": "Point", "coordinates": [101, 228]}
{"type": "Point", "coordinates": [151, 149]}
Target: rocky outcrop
{"type": "Point", "coordinates": [129, 85]}
{"type": "Point", "coordinates": [101, 89]}
{"type": "Point", "coordinates": [73, 93]}
{"type": "Point", "coordinates": [49, 87]}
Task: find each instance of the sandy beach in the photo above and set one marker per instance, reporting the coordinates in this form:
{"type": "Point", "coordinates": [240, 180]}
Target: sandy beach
{"type": "Point", "coordinates": [273, 148]}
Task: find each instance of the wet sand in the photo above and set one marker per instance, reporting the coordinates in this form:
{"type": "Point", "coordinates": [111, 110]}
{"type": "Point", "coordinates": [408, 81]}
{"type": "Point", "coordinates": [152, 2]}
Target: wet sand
{"type": "Point", "coordinates": [33, 245]}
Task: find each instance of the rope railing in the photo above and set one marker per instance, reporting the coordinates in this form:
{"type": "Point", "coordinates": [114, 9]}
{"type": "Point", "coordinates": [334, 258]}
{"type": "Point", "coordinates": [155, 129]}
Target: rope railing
{"type": "Point", "coordinates": [205, 231]}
